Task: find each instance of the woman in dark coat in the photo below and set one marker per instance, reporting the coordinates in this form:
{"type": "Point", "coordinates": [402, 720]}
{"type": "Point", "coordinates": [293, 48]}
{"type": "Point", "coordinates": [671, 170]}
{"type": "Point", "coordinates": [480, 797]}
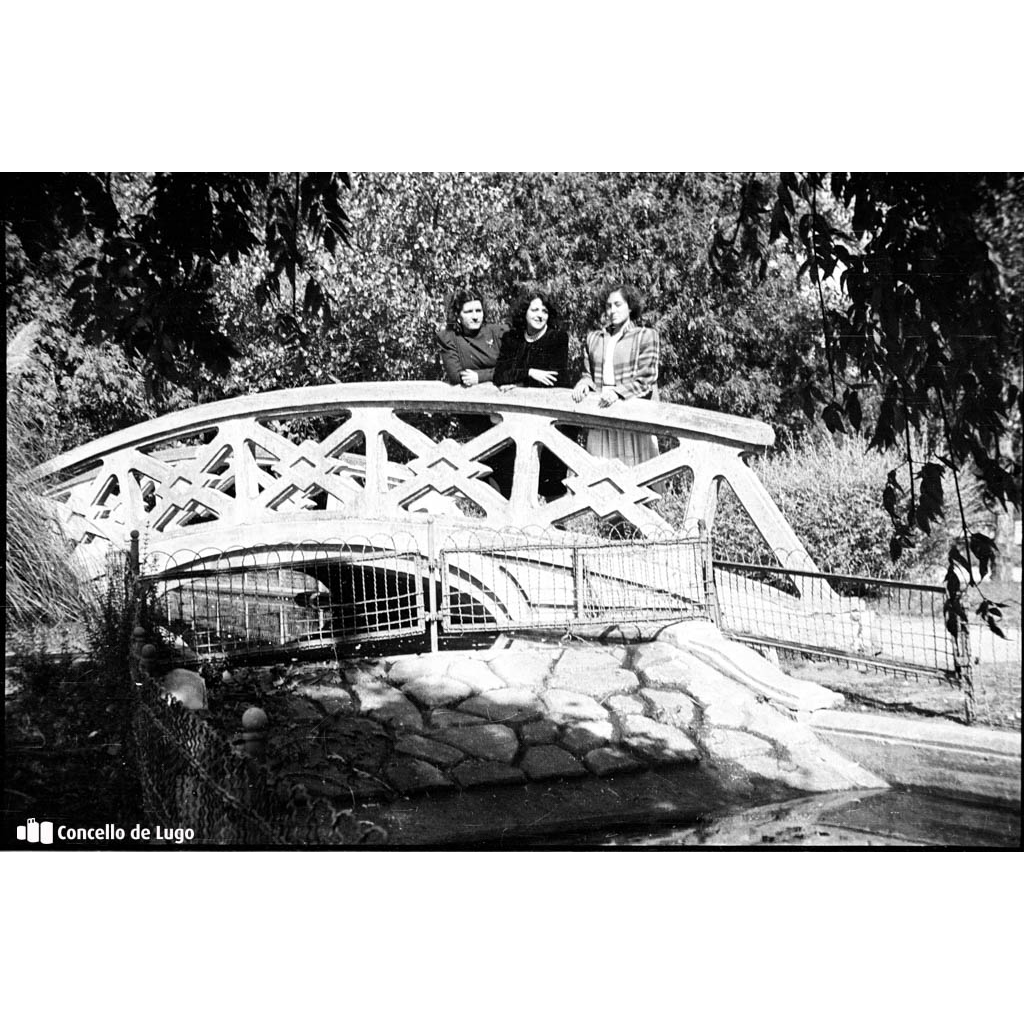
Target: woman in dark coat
{"type": "Point", "coordinates": [535, 351]}
{"type": "Point", "coordinates": [470, 347]}
{"type": "Point", "coordinates": [535, 354]}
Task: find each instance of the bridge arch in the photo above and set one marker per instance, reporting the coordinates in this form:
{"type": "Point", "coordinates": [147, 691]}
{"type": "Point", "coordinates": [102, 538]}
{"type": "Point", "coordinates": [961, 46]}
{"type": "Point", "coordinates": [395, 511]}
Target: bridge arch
{"type": "Point", "coordinates": [227, 476]}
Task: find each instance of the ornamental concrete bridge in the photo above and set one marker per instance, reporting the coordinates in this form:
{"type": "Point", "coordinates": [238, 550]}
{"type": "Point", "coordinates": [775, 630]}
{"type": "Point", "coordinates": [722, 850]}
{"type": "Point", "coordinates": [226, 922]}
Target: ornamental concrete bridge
{"type": "Point", "coordinates": [379, 520]}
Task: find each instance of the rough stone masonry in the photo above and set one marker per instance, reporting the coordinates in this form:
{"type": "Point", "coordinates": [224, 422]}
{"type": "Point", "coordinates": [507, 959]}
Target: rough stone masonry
{"type": "Point", "coordinates": [532, 712]}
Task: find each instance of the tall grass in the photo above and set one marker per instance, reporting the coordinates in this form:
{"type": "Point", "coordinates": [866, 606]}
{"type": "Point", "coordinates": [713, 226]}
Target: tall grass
{"type": "Point", "coordinates": [42, 589]}
{"type": "Point", "coordinates": [830, 491]}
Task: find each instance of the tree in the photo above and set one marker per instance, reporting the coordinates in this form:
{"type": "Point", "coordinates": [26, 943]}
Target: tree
{"type": "Point", "coordinates": [148, 287]}
{"type": "Point", "coordinates": [923, 315]}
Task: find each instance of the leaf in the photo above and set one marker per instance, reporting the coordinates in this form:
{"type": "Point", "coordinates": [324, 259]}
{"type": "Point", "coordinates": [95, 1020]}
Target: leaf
{"type": "Point", "coordinates": [832, 416]}
{"type": "Point", "coordinates": [985, 551]}
{"type": "Point", "coordinates": [851, 403]}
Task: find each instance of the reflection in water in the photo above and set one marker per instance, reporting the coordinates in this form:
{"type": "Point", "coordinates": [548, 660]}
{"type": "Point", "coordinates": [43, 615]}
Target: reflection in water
{"type": "Point", "coordinates": [896, 817]}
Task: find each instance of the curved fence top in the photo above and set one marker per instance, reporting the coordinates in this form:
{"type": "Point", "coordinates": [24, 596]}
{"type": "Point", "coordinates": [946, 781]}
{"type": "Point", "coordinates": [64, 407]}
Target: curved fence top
{"type": "Point", "coordinates": [426, 396]}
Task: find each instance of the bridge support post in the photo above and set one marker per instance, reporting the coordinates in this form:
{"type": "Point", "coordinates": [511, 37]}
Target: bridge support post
{"type": "Point", "coordinates": [133, 554]}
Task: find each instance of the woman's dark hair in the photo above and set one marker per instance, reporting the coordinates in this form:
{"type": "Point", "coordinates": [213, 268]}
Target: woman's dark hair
{"type": "Point", "coordinates": [523, 301]}
{"type": "Point", "coordinates": [459, 299]}
{"type": "Point", "coordinates": [633, 298]}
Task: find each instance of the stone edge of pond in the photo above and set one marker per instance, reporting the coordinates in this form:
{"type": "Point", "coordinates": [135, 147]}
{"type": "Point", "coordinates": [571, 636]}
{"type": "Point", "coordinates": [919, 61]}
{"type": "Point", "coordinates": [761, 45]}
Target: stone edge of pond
{"type": "Point", "coordinates": [945, 757]}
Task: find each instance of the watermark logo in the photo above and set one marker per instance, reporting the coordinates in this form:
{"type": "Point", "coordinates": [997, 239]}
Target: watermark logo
{"type": "Point", "coordinates": [36, 832]}
{"type": "Point", "coordinates": [43, 832]}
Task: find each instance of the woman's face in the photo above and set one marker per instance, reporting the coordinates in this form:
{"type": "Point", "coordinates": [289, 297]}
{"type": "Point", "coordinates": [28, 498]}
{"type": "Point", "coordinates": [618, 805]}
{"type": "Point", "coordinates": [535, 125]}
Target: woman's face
{"type": "Point", "coordinates": [536, 316]}
{"type": "Point", "coordinates": [616, 309]}
{"type": "Point", "coordinates": [472, 316]}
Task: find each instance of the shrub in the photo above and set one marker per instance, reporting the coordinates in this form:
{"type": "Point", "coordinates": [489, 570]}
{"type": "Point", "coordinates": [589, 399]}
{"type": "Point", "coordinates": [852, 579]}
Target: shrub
{"type": "Point", "coordinates": [830, 491]}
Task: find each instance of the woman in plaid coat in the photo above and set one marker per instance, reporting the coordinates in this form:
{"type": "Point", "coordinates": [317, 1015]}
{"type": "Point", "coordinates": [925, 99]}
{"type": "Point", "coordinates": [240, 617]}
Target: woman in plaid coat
{"type": "Point", "coordinates": [620, 361]}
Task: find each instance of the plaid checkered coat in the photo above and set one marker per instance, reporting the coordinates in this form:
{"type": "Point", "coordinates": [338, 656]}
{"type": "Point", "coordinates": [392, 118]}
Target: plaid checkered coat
{"type": "Point", "coordinates": [637, 355]}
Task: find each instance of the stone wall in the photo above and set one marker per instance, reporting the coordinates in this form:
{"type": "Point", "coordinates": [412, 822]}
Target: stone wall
{"type": "Point", "coordinates": [531, 711]}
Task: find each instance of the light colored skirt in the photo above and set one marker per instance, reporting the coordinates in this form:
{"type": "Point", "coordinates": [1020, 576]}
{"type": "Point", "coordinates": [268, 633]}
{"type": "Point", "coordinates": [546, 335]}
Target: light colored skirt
{"type": "Point", "coordinates": [627, 446]}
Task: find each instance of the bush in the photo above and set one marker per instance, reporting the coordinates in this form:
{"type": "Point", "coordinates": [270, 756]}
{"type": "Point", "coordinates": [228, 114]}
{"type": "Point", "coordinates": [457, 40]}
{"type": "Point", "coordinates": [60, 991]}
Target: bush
{"type": "Point", "coordinates": [830, 491]}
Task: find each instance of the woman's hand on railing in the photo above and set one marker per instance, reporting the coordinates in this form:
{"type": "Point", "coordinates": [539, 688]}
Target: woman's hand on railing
{"type": "Point", "coordinates": [581, 389]}
{"type": "Point", "coordinates": [543, 377]}
{"type": "Point", "coordinates": [608, 396]}
{"type": "Point", "coordinates": [469, 378]}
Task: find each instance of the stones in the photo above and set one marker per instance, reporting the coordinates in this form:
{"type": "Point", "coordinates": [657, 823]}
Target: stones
{"type": "Point", "coordinates": [313, 675]}
{"type": "Point", "coordinates": [434, 692]}
{"type": "Point", "coordinates": [609, 761]}
{"type": "Point", "coordinates": [599, 682]}
{"type": "Point", "coordinates": [511, 706]}
{"type": "Point", "coordinates": [623, 704]}
{"type": "Point", "coordinates": [732, 745]}
{"type": "Point", "coordinates": [453, 720]}
{"type": "Point", "coordinates": [657, 741]}
{"type": "Point", "coordinates": [429, 750]}
{"type": "Point", "coordinates": [745, 666]}
{"type": "Point", "coordinates": [487, 742]}
{"type": "Point", "coordinates": [332, 698]}
{"type": "Point", "coordinates": [583, 661]}
{"type": "Point", "coordinates": [410, 775]}
{"type": "Point", "coordinates": [475, 674]}
{"type": "Point", "coordinates": [549, 762]}
{"type": "Point", "coordinates": [708, 686]}
{"type": "Point", "coordinates": [588, 735]}
{"type": "Point", "coordinates": [386, 704]}
{"type": "Point", "coordinates": [567, 706]}
{"type": "Point", "coordinates": [645, 656]}
{"type": "Point", "coordinates": [186, 686]}
{"type": "Point", "coordinates": [673, 708]}
{"type": "Point", "coordinates": [416, 667]}
{"type": "Point", "coordinates": [537, 733]}
{"type": "Point", "coordinates": [487, 773]}
{"type": "Point", "coordinates": [520, 668]}
{"type": "Point", "coordinates": [262, 677]}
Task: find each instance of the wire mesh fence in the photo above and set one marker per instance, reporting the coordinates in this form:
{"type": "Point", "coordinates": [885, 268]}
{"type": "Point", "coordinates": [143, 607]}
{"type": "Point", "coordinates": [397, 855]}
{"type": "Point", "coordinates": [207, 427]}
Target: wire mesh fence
{"type": "Point", "coordinates": [294, 598]}
{"type": "Point", "coordinates": [549, 581]}
{"type": "Point", "coordinates": [309, 596]}
{"type": "Point", "coordinates": [900, 626]}
{"type": "Point", "coordinates": [193, 778]}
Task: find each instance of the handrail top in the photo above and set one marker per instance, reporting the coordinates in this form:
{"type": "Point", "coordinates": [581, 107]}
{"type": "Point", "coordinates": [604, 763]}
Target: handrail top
{"type": "Point", "coordinates": [425, 396]}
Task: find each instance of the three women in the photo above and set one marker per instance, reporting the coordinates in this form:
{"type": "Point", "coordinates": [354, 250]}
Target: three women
{"type": "Point", "coordinates": [621, 361]}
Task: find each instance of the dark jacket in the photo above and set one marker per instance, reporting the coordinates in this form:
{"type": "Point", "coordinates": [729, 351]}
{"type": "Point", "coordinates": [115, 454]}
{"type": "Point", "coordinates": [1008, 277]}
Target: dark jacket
{"type": "Point", "coordinates": [460, 353]}
{"type": "Point", "coordinates": [549, 352]}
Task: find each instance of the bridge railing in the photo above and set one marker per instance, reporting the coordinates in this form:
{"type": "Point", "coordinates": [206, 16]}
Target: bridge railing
{"type": "Point", "coordinates": [240, 603]}
{"type": "Point", "coordinates": [286, 466]}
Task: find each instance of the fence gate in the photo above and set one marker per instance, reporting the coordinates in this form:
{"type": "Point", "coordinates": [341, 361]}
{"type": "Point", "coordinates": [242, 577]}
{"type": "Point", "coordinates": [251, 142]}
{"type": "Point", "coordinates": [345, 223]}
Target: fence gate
{"type": "Point", "coordinates": [569, 582]}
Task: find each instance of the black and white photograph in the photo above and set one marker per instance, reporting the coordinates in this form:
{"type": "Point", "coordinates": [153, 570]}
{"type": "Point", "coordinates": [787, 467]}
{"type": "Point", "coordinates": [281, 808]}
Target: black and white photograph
{"type": "Point", "coordinates": [383, 524]}
{"type": "Point", "coordinates": [514, 509]}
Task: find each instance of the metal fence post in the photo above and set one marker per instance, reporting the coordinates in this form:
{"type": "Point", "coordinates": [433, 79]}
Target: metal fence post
{"type": "Point", "coordinates": [432, 575]}
{"type": "Point", "coordinates": [578, 589]}
{"type": "Point", "coordinates": [707, 569]}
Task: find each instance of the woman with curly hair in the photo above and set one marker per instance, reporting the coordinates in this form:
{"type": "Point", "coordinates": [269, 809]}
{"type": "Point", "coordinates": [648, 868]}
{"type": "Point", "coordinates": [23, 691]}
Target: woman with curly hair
{"type": "Point", "coordinates": [535, 354]}
{"type": "Point", "coordinates": [620, 362]}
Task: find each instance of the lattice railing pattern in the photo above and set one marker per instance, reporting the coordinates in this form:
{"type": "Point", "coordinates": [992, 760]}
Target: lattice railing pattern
{"type": "Point", "coordinates": [228, 475]}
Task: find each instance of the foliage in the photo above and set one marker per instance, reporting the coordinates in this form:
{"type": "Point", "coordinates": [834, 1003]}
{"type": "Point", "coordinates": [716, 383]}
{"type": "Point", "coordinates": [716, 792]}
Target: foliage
{"type": "Point", "coordinates": [40, 590]}
{"type": "Point", "coordinates": [828, 489]}
{"type": "Point", "coordinates": [922, 316]}
{"type": "Point", "coordinates": [149, 286]}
